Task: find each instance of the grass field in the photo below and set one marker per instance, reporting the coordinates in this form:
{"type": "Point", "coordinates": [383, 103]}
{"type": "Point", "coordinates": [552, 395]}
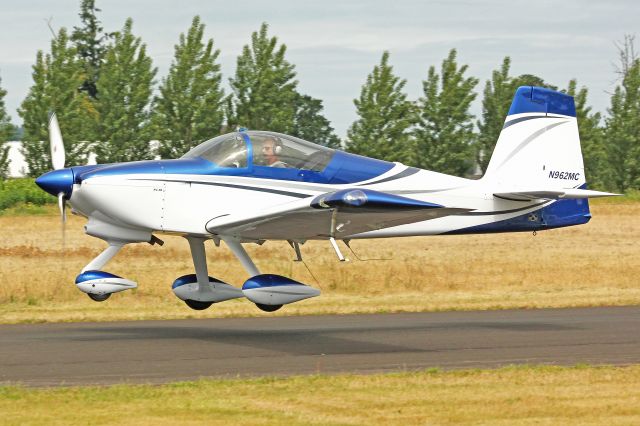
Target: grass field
{"type": "Point", "coordinates": [590, 265]}
{"type": "Point", "coordinates": [507, 396]}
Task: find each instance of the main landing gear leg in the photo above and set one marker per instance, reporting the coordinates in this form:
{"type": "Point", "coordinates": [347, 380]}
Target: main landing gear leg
{"type": "Point", "coordinates": [242, 256]}
{"type": "Point", "coordinates": [199, 257]}
{"type": "Point", "coordinates": [199, 291]}
{"type": "Point", "coordinates": [249, 266]}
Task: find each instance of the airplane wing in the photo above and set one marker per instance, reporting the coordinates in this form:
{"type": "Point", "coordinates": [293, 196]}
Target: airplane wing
{"type": "Point", "coordinates": [569, 193]}
{"type": "Point", "coordinates": [336, 214]}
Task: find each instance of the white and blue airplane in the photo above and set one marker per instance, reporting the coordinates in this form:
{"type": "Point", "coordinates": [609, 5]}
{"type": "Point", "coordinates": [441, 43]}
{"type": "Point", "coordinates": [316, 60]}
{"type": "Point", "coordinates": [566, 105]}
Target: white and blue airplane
{"type": "Point", "coordinates": [253, 186]}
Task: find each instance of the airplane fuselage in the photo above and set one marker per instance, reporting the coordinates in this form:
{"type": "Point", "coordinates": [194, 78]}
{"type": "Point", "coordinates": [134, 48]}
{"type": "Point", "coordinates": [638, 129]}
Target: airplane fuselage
{"type": "Point", "coordinates": [184, 203]}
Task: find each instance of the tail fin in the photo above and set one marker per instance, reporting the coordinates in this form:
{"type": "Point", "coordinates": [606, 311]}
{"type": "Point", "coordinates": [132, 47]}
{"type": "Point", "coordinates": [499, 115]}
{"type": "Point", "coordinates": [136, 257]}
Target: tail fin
{"type": "Point", "coordinates": [538, 152]}
{"type": "Point", "coordinates": [539, 146]}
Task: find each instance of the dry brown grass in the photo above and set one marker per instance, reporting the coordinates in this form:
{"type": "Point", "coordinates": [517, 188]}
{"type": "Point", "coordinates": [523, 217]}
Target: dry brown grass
{"type": "Point", "coordinates": [507, 396]}
{"type": "Point", "coordinates": [595, 264]}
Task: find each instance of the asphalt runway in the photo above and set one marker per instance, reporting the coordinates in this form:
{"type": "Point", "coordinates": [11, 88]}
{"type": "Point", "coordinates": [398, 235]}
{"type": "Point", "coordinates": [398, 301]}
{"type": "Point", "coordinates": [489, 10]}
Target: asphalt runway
{"type": "Point", "coordinates": [164, 351]}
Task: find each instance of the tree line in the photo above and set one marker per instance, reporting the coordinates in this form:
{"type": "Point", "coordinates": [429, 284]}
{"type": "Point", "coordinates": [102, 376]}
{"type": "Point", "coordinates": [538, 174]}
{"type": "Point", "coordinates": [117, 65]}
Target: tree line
{"type": "Point", "coordinates": [102, 84]}
{"type": "Point", "coordinates": [437, 131]}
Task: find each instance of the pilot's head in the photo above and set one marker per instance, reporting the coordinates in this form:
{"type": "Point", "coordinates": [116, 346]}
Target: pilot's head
{"type": "Point", "coordinates": [270, 150]}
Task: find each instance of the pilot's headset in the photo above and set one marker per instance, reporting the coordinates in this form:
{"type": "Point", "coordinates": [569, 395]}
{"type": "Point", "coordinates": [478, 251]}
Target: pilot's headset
{"type": "Point", "coordinates": [277, 148]}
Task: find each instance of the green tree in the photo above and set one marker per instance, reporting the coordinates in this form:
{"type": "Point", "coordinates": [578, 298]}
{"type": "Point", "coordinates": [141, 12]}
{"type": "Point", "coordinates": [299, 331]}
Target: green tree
{"type": "Point", "coordinates": [385, 117]}
{"type": "Point", "coordinates": [444, 135]}
{"type": "Point", "coordinates": [18, 131]}
{"type": "Point", "coordinates": [311, 125]}
{"type": "Point", "coordinates": [591, 138]}
{"type": "Point", "coordinates": [264, 86]}
{"type": "Point", "coordinates": [623, 123]}
{"type": "Point", "coordinates": [530, 80]}
{"type": "Point", "coordinates": [497, 97]}
{"type": "Point", "coordinates": [125, 86]}
{"type": "Point", "coordinates": [6, 131]}
{"type": "Point", "coordinates": [89, 41]}
{"type": "Point", "coordinates": [189, 109]}
{"type": "Point", "coordinates": [498, 93]}
{"type": "Point", "coordinates": [56, 76]}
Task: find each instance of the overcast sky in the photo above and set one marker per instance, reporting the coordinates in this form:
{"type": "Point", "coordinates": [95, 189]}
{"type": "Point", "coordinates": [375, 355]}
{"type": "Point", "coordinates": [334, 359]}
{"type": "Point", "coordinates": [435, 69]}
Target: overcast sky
{"type": "Point", "coordinates": [334, 44]}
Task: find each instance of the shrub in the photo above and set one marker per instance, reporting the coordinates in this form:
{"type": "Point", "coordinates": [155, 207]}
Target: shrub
{"type": "Point", "coordinates": [22, 190]}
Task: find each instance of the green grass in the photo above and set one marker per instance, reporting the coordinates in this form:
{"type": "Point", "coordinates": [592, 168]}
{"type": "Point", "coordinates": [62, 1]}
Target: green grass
{"type": "Point", "coordinates": [631, 196]}
{"type": "Point", "coordinates": [579, 395]}
{"type": "Point", "coordinates": [29, 209]}
{"type": "Point", "coordinates": [493, 271]}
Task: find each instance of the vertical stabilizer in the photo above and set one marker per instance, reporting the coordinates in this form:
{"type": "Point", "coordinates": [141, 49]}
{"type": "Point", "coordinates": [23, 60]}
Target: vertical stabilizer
{"type": "Point", "coordinates": [539, 146]}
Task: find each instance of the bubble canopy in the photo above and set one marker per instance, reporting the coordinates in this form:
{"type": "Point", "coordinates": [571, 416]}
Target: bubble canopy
{"type": "Point", "coordinates": [256, 154]}
{"type": "Point", "coordinates": [244, 149]}
{"type": "Point", "coordinates": [277, 156]}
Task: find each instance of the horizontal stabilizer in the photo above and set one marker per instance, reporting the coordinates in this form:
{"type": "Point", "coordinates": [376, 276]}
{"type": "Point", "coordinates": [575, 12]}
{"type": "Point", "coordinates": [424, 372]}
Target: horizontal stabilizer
{"type": "Point", "coordinates": [558, 194]}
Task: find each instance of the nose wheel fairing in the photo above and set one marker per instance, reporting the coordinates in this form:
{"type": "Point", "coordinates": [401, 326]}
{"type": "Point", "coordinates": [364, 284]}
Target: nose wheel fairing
{"type": "Point", "coordinates": [102, 283]}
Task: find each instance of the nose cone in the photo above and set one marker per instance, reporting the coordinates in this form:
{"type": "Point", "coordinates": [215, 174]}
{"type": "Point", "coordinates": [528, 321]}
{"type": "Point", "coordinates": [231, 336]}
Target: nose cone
{"type": "Point", "coordinates": [57, 181]}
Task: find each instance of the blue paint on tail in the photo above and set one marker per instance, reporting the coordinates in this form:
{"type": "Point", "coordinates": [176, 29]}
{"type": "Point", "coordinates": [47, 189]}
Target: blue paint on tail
{"type": "Point", "coordinates": [538, 99]}
{"type": "Point", "coordinates": [558, 214]}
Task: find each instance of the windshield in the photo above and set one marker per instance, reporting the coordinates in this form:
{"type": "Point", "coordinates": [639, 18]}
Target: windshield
{"type": "Point", "coordinates": [228, 150]}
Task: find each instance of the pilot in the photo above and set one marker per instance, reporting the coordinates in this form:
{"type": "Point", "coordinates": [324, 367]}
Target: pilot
{"type": "Point", "coordinates": [271, 148]}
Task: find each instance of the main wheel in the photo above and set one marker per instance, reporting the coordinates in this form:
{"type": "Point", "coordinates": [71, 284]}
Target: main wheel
{"type": "Point", "coordinates": [268, 308]}
{"type": "Point", "coordinates": [99, 297]}
{"type": "Point", "coordinates": [197, 305]}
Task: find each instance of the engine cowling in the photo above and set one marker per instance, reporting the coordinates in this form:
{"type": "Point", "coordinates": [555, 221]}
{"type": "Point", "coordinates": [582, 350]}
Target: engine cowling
{"type": "Point", "coordinates": [186, 288]}
{"type": "Point", "coordinates": [270, 289]}
{"type": "Point", "coordinates": [101, 282]}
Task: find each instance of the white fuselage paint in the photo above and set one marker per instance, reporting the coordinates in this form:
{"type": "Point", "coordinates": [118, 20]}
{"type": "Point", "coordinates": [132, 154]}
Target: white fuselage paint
{"type": "Point", "coordinates": [183, 204]}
